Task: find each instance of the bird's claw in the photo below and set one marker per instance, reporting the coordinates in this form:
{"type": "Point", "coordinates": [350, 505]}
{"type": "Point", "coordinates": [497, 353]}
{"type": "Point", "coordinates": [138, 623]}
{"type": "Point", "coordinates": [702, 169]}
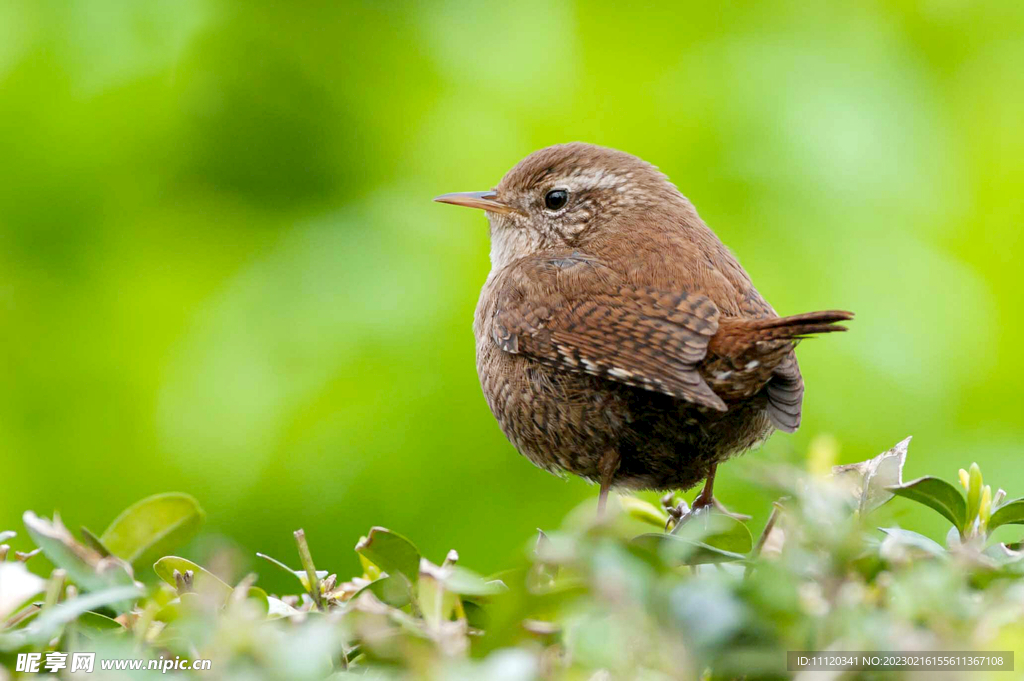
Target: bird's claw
{"type": "Point", "coordinates": [701, 505]}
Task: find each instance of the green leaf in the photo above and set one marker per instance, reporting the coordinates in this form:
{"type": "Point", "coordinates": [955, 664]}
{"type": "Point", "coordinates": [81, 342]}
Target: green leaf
{"type": "Point", "coordinates": [974, 486]}
{"type": "Point", "coordinates": [98, 622]}
{"type": "Point", "coordinates": [276, 608]}
{"type": "Point", "coordinates": [390, 590]}
{"type": "Point", "coordinates": [718, 531]}
{"type": "Point", "coordinates": [84, 566]}
{"type": "Point", "coordinates": [370, 571]}
{"type": "Point", "coordinates": [203, 581]}
{"type": "Point", "coordinates": [169, 612]}
{"type": "Point", "coordinates": [150, 528]}
{"type": "Point", "coordinates": [465, 582]}
{"type": "Point", "coordinates": [392, 553]}
{"type": "Point", "coordinates": [94, 542]}
{"type": "Point", "coordinates": [1010, 513]}
{"type": "Point", "coordinates": [643, 511]}
{"type": "Point", "coordinates": [436, 603]}
{"type": "Point", "coordinates": [253, 593]}
{"type": "Point", "coordinates": [1003, 555]}
{"type": "Point", "coordinates": [937, 494]}
{"type": "Point", "coordinates": [50, 620]}
{"type": "Point", "coordinates": [676, 550]}
{"type": "Point", "coordinates": [298, 574]}
{"type": "Point", "coordinates": [709, 537]}
{"type": "Point", "coordinates": [459, 580]}
{"type": "Point", "coordinates": [871, 482]}
{"type": "Point", "coordinates": [910, 540]}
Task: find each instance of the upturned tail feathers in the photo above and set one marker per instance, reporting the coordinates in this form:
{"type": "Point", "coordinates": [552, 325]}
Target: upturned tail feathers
{"type": "Point", "coordinates": [797, 326]}
{"type": "Point", "coordinates": [737, 333]}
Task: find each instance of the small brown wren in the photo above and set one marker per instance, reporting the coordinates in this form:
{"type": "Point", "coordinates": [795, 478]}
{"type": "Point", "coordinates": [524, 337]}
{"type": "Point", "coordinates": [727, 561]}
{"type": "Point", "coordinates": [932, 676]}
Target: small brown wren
{"type": "Point", "coordinates": [616, 337]}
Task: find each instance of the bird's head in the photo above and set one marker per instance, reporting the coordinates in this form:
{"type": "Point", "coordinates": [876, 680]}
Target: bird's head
{"type": "Point", "coordinates": [566, 196]}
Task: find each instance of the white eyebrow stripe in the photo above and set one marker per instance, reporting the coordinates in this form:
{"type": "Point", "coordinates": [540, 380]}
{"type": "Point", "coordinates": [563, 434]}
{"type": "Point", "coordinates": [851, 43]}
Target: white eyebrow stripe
{"type": "Point", "coordinates": [593, 179]}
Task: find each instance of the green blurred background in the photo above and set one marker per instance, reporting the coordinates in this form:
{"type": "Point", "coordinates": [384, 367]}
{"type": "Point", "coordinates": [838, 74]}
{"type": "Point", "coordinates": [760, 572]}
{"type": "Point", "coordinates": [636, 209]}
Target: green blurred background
{"type": "Point", "coordinates": [221, 271]}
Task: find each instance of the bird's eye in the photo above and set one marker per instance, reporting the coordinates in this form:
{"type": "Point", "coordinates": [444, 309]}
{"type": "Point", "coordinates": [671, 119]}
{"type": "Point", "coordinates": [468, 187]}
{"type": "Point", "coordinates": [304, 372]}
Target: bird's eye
{"type": "Point", "coordinates": [555, 199]}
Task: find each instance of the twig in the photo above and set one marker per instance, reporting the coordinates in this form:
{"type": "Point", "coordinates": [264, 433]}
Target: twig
{"type": "Point", "coordinates": [21, 615]}
{"type": "Point", "coordinates": [24, 556]}
{"type": "Point", "coordinates": [772, 519]}
{"type": "Point", "coordinates": [55, 586]}
{"type": "Point", "coordinates": [307, 563]}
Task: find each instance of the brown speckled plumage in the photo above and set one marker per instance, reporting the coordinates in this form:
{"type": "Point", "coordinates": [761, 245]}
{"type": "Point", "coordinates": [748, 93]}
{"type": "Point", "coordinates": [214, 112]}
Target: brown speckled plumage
{"type": "Point", "coordinates": [617, 337]}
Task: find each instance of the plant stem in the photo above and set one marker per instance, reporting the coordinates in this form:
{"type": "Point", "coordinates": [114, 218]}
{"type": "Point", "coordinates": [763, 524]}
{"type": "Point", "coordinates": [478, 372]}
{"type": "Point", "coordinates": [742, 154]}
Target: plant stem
{"type": "Point", "coordinates": [54, 587]}
{"type": "Point", "coordinates": [772, 519]}
{"type": "Point", "coordinates": [21, 615]}
{"type": "Point", "coordinates": [307, 563]}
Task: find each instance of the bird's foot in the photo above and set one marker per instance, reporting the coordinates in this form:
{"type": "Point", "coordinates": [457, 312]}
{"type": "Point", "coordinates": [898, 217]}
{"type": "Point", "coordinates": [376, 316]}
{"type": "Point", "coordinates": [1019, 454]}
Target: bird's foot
{"type": "Point", "coordinates": [700, 503]}
{"type": "Point", "coordinates": [681, 514]}
{"type": "Point", "coordinates": [676, 512]}
{"type": "Point", "coordinates": [703, 504]}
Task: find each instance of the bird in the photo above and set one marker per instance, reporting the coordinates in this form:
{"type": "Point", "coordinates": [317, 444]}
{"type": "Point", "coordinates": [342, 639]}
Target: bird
{"type": "Point", "coordinates": [617, 338]}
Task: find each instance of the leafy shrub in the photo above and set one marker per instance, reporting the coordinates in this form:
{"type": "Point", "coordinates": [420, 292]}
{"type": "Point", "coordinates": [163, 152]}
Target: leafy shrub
{"type": "Point", "coordinates": [646, 592]}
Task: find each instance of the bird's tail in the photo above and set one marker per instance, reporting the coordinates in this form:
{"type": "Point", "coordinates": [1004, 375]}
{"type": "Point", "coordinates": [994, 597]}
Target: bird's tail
{"type": "Point", "coordinates": [735, 332]}
{"type": "Point", "coordinates": [798, 325]}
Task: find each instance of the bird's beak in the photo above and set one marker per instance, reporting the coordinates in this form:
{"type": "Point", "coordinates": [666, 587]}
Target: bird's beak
{"type": "Point", "coordinates": [487, 200]}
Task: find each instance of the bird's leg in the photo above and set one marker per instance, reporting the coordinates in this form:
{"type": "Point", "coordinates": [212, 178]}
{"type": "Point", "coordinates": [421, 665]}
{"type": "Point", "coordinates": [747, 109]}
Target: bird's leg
{"type": "Point", "coordinates": [705, 499]}
{"type": "Point", "coordinates": [606, 467]}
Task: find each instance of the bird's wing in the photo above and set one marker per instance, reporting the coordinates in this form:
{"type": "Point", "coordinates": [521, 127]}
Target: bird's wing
{"type": "Point", "coordinates": [566, 312]}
